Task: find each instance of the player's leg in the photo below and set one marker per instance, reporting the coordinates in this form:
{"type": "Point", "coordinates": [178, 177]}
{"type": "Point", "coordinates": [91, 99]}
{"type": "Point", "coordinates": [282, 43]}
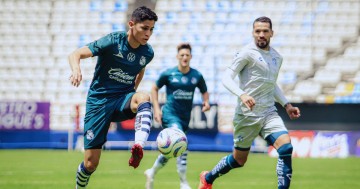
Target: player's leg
{"type": "Point", "coordinates": [159, 163]}
{"type": "Point", "coordinates": [97, 121]}
{"type": "Point", "coordinates": [245, 131]}
{"type": "Point", "coordinates": [161, 160]}
{"type": "Point", "coordinates": [181, 163]}
{"type": "Point", "coordinates": [277, 136]}
{"type": "Point", "coordinates": [281, 142]}
{"type": "Point", "coordinates": [87, 167]}
{"type": "Point", "coordinates": [138, 105]}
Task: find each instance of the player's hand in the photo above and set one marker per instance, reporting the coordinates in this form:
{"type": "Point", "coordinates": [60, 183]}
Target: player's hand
{"type": "Point", "coordinates": [205, 106]}
{"type": "Point", "coordinates": [75, 78]}
{"type": "Point", "coordinates": [293, 112]}
{"type": "Point", "coordinates": [248, 101]}
{"type": "Point", "coordinates": [158, 116]}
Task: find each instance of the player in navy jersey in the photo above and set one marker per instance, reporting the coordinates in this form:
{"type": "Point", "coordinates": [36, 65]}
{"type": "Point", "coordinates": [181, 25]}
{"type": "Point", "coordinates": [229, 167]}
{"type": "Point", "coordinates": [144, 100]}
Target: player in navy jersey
{"type": "Point", "coordinates": [112, 97]}
{"type": "Point", "coordinates": [181, 82]}
{"type": "Point", "coordinates": [257, 66]}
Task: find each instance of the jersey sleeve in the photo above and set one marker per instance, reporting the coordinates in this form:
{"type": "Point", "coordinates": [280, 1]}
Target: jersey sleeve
{"type": "Point", "coordinates": [162, 80]}
{"type": "Point", "coordinates": [99, 46]}
{"type": "Point", "coordinates": [239, 62]}
{"type": "Point", "coordinates": [201, 84]}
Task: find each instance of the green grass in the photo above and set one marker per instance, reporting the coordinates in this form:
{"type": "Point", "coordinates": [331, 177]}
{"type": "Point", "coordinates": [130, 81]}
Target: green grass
{"type": "Point", "coordinates": [44, 169]}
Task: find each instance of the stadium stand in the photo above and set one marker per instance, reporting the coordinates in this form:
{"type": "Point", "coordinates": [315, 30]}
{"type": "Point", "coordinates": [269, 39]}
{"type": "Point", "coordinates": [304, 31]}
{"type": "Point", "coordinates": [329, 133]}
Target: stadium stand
{"type": "Point", "coordinates": [319, 40]}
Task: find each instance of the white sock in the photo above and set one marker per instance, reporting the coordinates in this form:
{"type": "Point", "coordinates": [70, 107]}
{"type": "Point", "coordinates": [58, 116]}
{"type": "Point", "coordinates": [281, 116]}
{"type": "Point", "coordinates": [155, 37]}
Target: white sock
{"type": "Point", "coordinates": [181, 163]}
{"type": "Point", "coordinates": [143, 122]}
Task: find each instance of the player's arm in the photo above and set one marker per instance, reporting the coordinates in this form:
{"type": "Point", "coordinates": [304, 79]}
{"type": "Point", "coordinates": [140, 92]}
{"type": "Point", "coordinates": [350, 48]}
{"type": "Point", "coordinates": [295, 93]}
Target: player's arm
{"type": "Point", "coordinates": [156, 105]}
{"type": "Point", "coordinates": [74, 61]}
{"type": "Point", "coordinates": [239, 62]}
{"type": "Point", "coordinates": [293, 112]}
{"type": "Point", "coordinates": [139, 77]}
{"type": "Point", "coordinates": [206, 104]}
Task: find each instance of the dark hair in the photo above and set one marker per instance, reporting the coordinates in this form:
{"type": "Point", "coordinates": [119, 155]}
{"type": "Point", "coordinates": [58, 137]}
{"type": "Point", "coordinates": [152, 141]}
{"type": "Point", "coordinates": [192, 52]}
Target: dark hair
{"type": "Point", "coordinates": [263, 19]}
{"type": "Point", "coordinates": [184, 46]}
{"type": "Point", "coordinates": [143, 13]}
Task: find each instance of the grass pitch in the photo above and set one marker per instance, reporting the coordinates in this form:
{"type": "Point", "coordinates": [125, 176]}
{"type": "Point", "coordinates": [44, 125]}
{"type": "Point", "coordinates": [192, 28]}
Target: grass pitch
{"type": "Point", "coordinates": [55, 169]}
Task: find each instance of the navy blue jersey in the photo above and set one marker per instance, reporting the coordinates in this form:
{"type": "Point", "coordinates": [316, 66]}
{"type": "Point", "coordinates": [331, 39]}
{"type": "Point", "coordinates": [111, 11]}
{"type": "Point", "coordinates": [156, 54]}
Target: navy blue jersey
{"type": "Point", "coordinates": [117, 66]}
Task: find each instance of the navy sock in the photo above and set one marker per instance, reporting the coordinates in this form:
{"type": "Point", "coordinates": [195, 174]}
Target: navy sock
{"type": "Point", "coordinates": [284, 168]}
{"type": "Point", "coordinates": [82, 176]}
{"type": "Point", "coordinates": [224, 166]}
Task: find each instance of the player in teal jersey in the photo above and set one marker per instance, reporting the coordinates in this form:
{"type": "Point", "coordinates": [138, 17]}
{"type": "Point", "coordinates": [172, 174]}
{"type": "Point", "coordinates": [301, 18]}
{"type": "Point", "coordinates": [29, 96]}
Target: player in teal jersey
{"type": "Point", "coordinates": [181, 82]}
{"type": "Point", "coordinates": [257, 66]}
{"type": "Point", "coordinates": [112, 97]}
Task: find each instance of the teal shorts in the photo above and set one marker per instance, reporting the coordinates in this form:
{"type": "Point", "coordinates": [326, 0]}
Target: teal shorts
{"type": "Point", "coordinates": [99, 114]}
{"type": "Point", "coordinates": [173, 121]}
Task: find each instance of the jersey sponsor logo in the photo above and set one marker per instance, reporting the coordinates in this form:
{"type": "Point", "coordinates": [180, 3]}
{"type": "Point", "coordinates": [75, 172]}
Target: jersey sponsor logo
{"type": "Point", "coordinates": [89, 135]}
{"type": "Point", "coordinates": [193, 80]}
{"type": "Point", "coordinates": [181, 94]}
{"type": "Point", "coordinates": [120, 76]}
{"type": "Point", "coordinates": [184, 79]}
{"type": "Point", "coordinates": [142, 60]}
{"type": "Point", "coordinates": [131, 57]}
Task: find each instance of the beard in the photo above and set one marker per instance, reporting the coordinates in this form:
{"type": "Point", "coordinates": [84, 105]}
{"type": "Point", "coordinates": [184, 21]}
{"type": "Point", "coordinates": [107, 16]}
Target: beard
{"type": "Point", "coordinates": [262, 44]}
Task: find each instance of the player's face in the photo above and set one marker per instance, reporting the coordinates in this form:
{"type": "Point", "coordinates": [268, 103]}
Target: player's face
{"type": "Point", "coordinates": [262, 34]}
{"type": "Point", "coordinates": [184, 57]}
{"type": "Point", "coordinates": [141, 31]}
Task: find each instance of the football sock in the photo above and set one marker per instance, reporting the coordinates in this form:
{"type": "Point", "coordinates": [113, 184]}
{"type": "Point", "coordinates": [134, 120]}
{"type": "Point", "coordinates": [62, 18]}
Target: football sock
{"type": "Point", "coordinates": [160, 162]}
{"type": "Point", "coordinates": [284, 168]}
{"type": "Point", "coordinates": [143, 121]}
{"type": "Point", "coordinates": [224, 166]}
{"type": "Point", "coordinates": [181, 163]}
{"type": "Point", "coordinates": [82, 176]}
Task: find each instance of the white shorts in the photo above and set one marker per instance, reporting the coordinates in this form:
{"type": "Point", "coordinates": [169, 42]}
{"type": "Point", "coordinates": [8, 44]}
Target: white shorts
{"type": "Point", "coordinates": [247, 128]}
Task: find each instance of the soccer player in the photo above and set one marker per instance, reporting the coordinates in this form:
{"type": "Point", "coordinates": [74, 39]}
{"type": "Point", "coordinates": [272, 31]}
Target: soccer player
{"type": "Point", "coordinates": [122, 58]}
{"type": "Point", "coordinates": [180, 82]}
{"type": "Point", "coordinates": [257, 66]}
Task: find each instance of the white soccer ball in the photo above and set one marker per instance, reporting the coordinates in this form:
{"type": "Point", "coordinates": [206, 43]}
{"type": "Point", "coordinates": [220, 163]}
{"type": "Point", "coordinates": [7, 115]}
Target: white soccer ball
{"type": "Point", "coordinates": [171, 142]}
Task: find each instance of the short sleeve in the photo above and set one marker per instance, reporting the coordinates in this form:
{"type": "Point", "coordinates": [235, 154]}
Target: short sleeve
{"type": "Point", "coordinates": [99, 46]}
{"type": "Point", "coordinates": [202, 85]}
{"type": "Point", "coordinates": [162, 80]}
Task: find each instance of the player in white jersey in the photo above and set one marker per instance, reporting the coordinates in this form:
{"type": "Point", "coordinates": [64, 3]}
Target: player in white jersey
{"type": "Point", "coordinates": [257, 66]}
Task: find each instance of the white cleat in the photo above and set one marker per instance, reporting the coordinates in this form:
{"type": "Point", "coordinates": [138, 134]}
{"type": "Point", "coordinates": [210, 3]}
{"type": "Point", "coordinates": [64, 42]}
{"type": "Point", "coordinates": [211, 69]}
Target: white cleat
{"type": "Point", "coordinates": [149, 173]}
{"type": "Point", "coordinates": [184, 185]}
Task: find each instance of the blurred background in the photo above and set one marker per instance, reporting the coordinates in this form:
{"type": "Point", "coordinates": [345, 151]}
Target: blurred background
{"type": "Point", "coordinates": [319, 40]}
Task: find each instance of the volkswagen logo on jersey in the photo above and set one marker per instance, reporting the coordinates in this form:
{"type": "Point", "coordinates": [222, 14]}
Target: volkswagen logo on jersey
{"type": "Point", "coordinates": [142, 60]}
{"type": "Point", "coordinates": [131, 57]}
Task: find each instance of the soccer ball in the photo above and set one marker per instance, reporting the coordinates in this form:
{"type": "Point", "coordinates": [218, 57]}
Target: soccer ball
{"type": "Point", "coordinates": [171, 142]}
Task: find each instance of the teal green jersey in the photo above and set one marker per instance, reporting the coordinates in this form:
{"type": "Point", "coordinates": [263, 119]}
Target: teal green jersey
{"type": "Point", "coordinates": [180, 90]}
{"type": "Point", "coordinates": [117, 66]}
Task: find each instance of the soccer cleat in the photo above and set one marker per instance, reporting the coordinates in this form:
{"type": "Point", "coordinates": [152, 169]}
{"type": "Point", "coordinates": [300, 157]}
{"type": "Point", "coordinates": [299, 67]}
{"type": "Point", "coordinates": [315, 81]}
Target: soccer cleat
{"type": "Point", "coordinates": [136, 156]}
{"type": "Point", "coordinates": [203, 184]}
{"type": "Point", "coordinates": [149, 179]}
{"type": "Point", "coordinates": [184, 185]}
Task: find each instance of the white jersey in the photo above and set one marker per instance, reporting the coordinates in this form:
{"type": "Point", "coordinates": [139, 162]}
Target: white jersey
{"type": "Point", "coordinates": [258, 71]}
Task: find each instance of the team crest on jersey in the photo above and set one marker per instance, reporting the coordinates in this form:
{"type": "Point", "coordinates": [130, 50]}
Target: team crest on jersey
{"type": "Point", "coordinates": [142, 60]}
{"type": "Point", "coordinates": [89, 135]}
{"type": "Point", "coordinates": [184, 79]}
{"type": "Point", "coordinates": [193, 80]}
{"type": "Point", "coordinates": [131, 57]}
{"type": "Point", "coordinates": [274, 61]}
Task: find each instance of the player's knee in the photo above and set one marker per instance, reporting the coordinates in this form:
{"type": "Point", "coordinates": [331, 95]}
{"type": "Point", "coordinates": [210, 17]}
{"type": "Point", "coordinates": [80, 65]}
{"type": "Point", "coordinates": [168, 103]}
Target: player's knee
{"type": "Point", "coordinates": [141, 97]}
{"type": "Point", "coordinates": [285, 150]}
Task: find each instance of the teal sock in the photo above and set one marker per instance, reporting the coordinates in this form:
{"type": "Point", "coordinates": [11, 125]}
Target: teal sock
{"type": "Point", "coordinates": [283, 167]}
{"type": "Point", "coordinates": [224, 166]}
